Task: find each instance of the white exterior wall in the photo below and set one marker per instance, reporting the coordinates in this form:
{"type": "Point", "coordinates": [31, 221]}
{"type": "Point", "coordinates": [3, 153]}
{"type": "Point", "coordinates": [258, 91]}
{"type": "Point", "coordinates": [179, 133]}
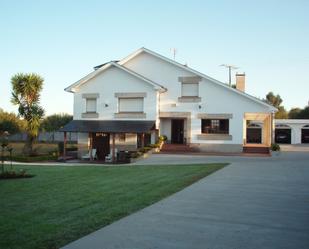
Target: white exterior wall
{"type": "Point", "coordinates": [108, 83]}
{"type": "Point", "coordinates": [216, 99]}
{"type": "Point", "coordinates": [165, 128]}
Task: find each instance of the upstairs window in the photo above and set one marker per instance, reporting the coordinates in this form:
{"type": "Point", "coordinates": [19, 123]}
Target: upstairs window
{"type": "Point", "coordinates": [189, 90]}
{"type": "Point", "coordinates": [91, 105]}
{"type": "Point", "coordinates": [215, 126]}
{"type": "Point", "coordinates": [131, 105]}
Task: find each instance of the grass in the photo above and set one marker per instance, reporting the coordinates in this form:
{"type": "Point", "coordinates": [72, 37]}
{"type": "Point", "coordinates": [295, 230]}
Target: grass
{"type": "Point", "coordinates": [62, 204]}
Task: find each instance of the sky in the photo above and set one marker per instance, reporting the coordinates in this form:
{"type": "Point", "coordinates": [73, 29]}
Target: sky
{"type": "Point", "coordinates": [63, 40]}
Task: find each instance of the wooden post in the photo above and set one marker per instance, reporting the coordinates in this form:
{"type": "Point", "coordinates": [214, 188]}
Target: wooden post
{"type": "Point", "coordinates": [113, 148]}
{"type": "Point", "coordinates": [90, 146]}
{"type": "Point", "coordinates": [64, 145]}
{"type": "Point", "coordinates": [143, 140]}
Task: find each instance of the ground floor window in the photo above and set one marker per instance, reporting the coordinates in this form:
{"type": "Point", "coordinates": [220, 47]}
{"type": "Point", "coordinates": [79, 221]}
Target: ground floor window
{"type": "Point", "coordinates": [215, 126]}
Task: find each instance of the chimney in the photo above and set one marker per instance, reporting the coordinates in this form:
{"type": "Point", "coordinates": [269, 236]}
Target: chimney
{"type": "Point", "coordinates": [241, 81]}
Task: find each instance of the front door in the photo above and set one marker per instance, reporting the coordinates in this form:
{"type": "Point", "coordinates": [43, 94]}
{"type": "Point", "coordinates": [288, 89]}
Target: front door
{"type": "Point", "coordinates": [177, 131]}
{"type": "Point", "coordinates": [254, 135]}
{"type": "Point", "coordinates": [100, 142]}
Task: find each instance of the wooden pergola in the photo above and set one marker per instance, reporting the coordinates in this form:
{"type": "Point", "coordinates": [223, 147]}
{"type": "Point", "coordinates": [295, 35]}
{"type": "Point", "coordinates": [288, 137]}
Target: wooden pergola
{"type": "Point", "coordinates": [111, 127]}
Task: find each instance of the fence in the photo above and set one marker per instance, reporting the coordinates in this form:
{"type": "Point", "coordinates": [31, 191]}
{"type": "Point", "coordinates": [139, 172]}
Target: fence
{"type": "Point", "coordinates": [46, 137]}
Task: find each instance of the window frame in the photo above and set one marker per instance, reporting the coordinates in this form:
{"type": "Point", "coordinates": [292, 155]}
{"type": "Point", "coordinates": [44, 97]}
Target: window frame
{"type": "Point", "coordinates": [215, 126]}
{"type": "Point", "coordinates": [95, 105]}
{"type": "Point", "coordinates": [139, 98]}
{"type": "Point", "coordinates": [189, 96]}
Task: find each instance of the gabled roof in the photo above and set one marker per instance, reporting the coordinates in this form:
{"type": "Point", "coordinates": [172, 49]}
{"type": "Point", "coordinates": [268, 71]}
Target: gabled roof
{"type": "Point", "coordinates": [104, 67]}
{"type": "Point", "coordinates": [141, 50]}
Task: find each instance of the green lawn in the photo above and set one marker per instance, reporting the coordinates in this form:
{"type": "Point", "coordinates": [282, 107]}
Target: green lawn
{"type": "Point", "coordinates": [61, 204]}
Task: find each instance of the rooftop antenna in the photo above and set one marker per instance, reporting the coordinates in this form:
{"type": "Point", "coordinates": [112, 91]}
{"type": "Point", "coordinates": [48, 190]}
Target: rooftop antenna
{"type": "Point", "coordinates": [174, 52]}
{"type": "Point", "coordinates": [230, 67]}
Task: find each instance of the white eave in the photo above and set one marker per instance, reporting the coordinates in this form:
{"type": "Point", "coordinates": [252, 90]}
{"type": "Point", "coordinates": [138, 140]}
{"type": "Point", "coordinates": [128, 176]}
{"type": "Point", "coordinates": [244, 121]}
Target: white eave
{"type": "Point", "coordinates": [139, 51]}
{"type": "Point", "coordinates": [72, 88]}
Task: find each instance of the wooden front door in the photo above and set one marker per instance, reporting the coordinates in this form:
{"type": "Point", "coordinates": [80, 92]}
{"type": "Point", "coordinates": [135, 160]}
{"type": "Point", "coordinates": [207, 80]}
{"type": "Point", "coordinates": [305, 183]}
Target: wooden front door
{"type": "Point", "coordinates": [177, 131]}
{"type": "Point", "coordinates": [100, 142]}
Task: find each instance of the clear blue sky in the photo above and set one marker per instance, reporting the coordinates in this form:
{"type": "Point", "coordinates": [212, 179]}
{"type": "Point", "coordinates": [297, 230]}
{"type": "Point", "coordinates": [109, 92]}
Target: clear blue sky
{"type": "Point", "coordinates": [63, 40]}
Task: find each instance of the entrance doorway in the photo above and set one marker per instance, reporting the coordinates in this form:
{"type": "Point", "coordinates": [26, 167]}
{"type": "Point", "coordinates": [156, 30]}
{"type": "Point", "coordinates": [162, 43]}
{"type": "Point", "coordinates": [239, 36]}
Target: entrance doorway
{"type": "Point", "coordinates": [177, 136]}
{"type": "Point", "coordinates": [100, 142]}
{"type": "Point", "coordinates": [254, 135]}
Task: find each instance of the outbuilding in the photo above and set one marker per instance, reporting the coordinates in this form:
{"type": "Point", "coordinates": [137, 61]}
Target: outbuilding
{"type": "Point", "coordinates": [292, 131]}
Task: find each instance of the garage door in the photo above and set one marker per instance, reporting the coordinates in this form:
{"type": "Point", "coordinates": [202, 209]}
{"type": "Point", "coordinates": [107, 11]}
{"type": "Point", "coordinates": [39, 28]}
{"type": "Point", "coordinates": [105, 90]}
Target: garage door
{"type": "Point", "coordinates": [305, 136]}
{"type": "Point", "coordinates": [283, 136]}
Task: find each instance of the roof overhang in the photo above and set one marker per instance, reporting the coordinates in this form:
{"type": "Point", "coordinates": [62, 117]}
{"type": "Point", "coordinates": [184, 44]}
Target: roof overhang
{"type": "Point", "coordinates": [109, 126]}
{"type": "Point", "coordinates": [72, 88]}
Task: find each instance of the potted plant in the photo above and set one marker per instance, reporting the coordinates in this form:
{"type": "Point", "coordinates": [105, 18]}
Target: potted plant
{"type": "Point", "coordinates": [275, 149]}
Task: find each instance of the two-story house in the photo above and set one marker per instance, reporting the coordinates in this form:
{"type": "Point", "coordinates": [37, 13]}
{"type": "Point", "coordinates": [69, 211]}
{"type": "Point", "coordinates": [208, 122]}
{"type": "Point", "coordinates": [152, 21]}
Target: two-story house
{"type": "Point", "coordinates": [128, 103]}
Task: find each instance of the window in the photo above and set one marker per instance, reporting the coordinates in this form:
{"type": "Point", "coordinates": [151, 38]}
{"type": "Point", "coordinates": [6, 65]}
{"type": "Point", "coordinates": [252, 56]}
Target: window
{"type": "Point", "coordinates": [135, 105]}
{"type": "Point", "coordinates": [91, 105]}
{"type": "Point", "coordinates": [215, 126]}
{"type": "Point", "coordinates": [189, 90]}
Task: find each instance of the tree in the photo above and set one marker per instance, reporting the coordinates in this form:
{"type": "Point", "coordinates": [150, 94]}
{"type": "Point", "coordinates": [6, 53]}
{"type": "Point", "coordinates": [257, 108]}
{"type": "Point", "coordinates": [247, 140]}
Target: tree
{"type": "Point", "coordinates": [276, 101]}
{"type": "Point", "coordinates": [281, 113]}
{"type": "Point", "coordinates": [294, 113]}
{"type": "Point", "coordinates": [55, 122]}
{"type": "Point", "coordinates": [304, 113]}
{"type": "Point", "coordinates": [26, 90]}
{"type": "Point", "coordinates": [10, 122]}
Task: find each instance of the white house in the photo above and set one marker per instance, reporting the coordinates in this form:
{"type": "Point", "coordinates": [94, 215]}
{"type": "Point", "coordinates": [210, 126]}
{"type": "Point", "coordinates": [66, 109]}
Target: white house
{"type": "Point", "coordinates": [128, 103]}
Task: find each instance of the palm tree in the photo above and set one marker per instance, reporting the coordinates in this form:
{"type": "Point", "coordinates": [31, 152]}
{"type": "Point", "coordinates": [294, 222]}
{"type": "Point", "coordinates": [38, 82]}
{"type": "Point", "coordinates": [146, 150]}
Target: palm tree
{"type": "Point", "coordinates": [26, 94]}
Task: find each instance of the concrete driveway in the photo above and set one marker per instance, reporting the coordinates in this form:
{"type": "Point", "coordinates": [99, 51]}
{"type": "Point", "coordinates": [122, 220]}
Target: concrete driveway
{"type": "Point", "coordinates": [252, 203]}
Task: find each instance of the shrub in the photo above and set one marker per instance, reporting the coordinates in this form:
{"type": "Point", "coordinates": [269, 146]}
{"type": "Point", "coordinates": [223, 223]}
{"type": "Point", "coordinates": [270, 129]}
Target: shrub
{"type": "Point", "coordinates": [60, 147]}
{"type": "Point", "coordinates": [39, 158]}
{"type": "Point", "coordinates": [275, 147]}
{"type": "Point", "coordinates": [136, 154]}
{"type": "Point", "coordinates": [15, 174]}
{"type": "Point", "coordinates": [162, 138]}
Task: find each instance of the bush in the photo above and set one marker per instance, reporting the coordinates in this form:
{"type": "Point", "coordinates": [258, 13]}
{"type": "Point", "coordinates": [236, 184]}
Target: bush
{"type": "Point", "coordinates": [145, 149]}
{"type": "Point", "coordinates": [13, 174]}
{"type": "Point", "coordinates": [39, 158]}
{"type": "Point", "coordinates": [157, 145]}
{"type": "Point", "coordinates": [136, 154]}
{"type": "Point", "coordinates": [162, 138]}
{"type": "Point", "coordinates": [60, 147]}
{"type": "Point", "coordinates": [275, 147]}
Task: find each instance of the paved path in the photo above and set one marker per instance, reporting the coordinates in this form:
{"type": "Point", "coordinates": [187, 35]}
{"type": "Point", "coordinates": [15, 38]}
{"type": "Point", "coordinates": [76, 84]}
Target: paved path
{"type": "Point", "coordinates": [252, 203]}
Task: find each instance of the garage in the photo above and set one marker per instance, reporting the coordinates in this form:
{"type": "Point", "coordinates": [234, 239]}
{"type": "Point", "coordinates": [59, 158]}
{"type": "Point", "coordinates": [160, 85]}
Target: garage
{"type": "Point", "coordinates": [283, 136]}
{"type": "Point", "coordinates": [305, 134]}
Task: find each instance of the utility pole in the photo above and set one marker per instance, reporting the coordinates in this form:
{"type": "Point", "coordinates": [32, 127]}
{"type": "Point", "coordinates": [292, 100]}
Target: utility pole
{"type": "Point", "coordinates": [230, 67]}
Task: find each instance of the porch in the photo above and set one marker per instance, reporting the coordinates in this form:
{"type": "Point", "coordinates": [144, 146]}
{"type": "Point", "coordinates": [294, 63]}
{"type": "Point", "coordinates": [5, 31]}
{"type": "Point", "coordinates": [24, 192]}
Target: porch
{"type": "Point", "coordinates": [257, 132]}
{"type": "Point", "coordinates": [109, 140]}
